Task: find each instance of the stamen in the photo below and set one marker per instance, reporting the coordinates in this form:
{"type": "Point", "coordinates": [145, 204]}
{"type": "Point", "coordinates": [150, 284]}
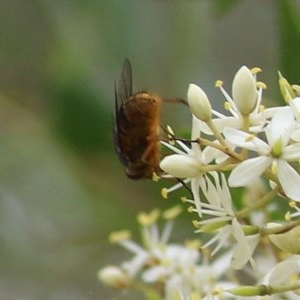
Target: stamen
{"type": "Point", "coordinates": [174, 149]}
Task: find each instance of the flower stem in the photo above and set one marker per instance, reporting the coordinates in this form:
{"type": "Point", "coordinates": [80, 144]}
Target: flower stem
{"type": "Point", "coordinates": [258, 204]}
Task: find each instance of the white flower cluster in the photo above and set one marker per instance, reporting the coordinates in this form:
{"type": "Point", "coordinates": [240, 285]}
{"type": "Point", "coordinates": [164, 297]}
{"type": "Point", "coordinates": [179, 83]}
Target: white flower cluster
{"type": "Point", "coordinates": [177, 271]}
{"type": "Point", "coordinates": [270, 135]}
{"type": "Point", "coordinates": [252, 146]}
{"type": "Point", "coordinates": [242, 172]}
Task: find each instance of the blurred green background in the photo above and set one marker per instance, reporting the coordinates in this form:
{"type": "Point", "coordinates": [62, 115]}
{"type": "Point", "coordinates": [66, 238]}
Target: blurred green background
{"type": "Point", "coordinates": [62, 189]}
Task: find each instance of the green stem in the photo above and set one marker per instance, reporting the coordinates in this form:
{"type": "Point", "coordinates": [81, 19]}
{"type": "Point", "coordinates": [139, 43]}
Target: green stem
{"type": "Point", "coordinates": [258, 204]}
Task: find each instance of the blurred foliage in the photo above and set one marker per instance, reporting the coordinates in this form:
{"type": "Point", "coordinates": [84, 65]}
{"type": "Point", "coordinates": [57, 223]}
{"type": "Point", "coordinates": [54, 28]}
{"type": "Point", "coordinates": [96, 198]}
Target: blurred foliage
{"type": "Point", "coordinates": [289, 17]}
{"type": "Point", "coordinates": [79, 118]}
{"type": "Point", "coordinates": [62, 188]}
{"type": "Point", "coordinates": [222, 7]}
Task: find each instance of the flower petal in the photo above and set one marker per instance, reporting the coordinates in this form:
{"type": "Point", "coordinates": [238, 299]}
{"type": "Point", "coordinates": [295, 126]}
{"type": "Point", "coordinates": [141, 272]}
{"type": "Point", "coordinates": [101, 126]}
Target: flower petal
{"type": "Point", "coordinates": [282, 272]}
{"type": "Point", "coordinates": [295, 106]}
{"type": "Point", "coordinates": [280, 126]}
{"type": "Point", "coordinates": [245, 140]}
{"type": "Point", "coordinates": [243, 250]}
{"type": "Point", "coordinates": [221, 123]}
{"type": "Point", "coordinates": [296, 135]}
{"type": "Point", "coordinates": [248, 171]}
{"type": "Point", "coordinates": [289, 180]}
{"type": "Point", "coordinates": [291, 152]}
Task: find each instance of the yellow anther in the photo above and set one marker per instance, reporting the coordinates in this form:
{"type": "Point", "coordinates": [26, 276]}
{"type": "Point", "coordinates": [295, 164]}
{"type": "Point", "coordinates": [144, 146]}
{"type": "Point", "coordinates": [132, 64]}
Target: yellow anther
{"type": "Point", "coordinates": [250, 138]}
{"type": "Point", "coordinates": [164, 192]}
{"type": "Point", "coordinates": [193, 244]}
{"type": "Point", "coordinates": [256, 70]}
{"type": "Point", "coordinates": [287, 216]}
{"type": "Point", "coordinates": [219, 83]}
{"type": "Point", "coordinates": [196, 223]}
{"type": "Point", "coordinates": [118, 236]}
{"type": "Point", "coordinates": [155, 177]}
{"type": "Point", "coordinates": [261, 85]}
{"type": "Point", "coordinates": [183, 199]}
{"type": "Point", "coordinates": [172, 212]}
{"type": "Point", "coordinates": [190, 209]}
{"type": "Point", "coordinates": [148, 219]}
{"type": "Point", "coordinates": [170, 135]}
{"type": "Point", "coordinates": [227, 105]}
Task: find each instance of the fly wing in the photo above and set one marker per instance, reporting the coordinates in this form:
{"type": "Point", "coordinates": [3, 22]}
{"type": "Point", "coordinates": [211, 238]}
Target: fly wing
{"type": "Point", "coordinates": [117, 140]}
{"type": "Point", "coordinates": [122, 92]}
{"type": "Point", "coordinates": [125, 82]}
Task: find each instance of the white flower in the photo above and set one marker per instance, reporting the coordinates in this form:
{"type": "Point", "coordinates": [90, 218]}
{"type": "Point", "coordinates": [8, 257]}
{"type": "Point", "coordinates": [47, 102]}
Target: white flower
{"type": "Point", "coordinates": [153, 241]}
{"type": "Point", "coordinates": [219, 206]}
{"type": "Point", "coordinates": [220, 214]}
{"type": "Point", "coordinates": [284, 273]}
{"type": "Point", "coordinates": [245, 100]}
{"type": "Point", "coordinates": [277, 152]}
{"type": "Point", "coordinates": [188, 163]}
{"type": "Point", "coordinates": [180, 270]}
{"type": "Point", "coordinates": [141, 257]}
{"type": "Point", "coordinates": [186, 274]}
{"type": "Point", "coordinates": [243, 247]}
{"type": "Point", "coordinates": [177, 265]}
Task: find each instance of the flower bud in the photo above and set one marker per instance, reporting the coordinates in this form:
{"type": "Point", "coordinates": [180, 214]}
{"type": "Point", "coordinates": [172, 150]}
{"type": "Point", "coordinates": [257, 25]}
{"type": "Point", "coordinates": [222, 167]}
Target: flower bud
{"type": "Point", "coordinates": [244, 91]}
{"type": "Point", "coordinates": [180, 166]}
{"type": "Point", "coordinates": [199, 103]}
{"type": "Point", "coordinates": [286, 89]}
{"type": "Point", "coordinates": [288, 241]}
{"type": "Point", "coordinates": [246, 290]}
{"type": "Point", "coordinates": [114, 277]}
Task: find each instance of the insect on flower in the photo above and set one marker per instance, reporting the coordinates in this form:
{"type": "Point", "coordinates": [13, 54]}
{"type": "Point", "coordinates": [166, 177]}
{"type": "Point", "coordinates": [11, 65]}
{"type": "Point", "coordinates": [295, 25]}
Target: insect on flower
{"type": "Point", "coordinates": [137, 127]}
